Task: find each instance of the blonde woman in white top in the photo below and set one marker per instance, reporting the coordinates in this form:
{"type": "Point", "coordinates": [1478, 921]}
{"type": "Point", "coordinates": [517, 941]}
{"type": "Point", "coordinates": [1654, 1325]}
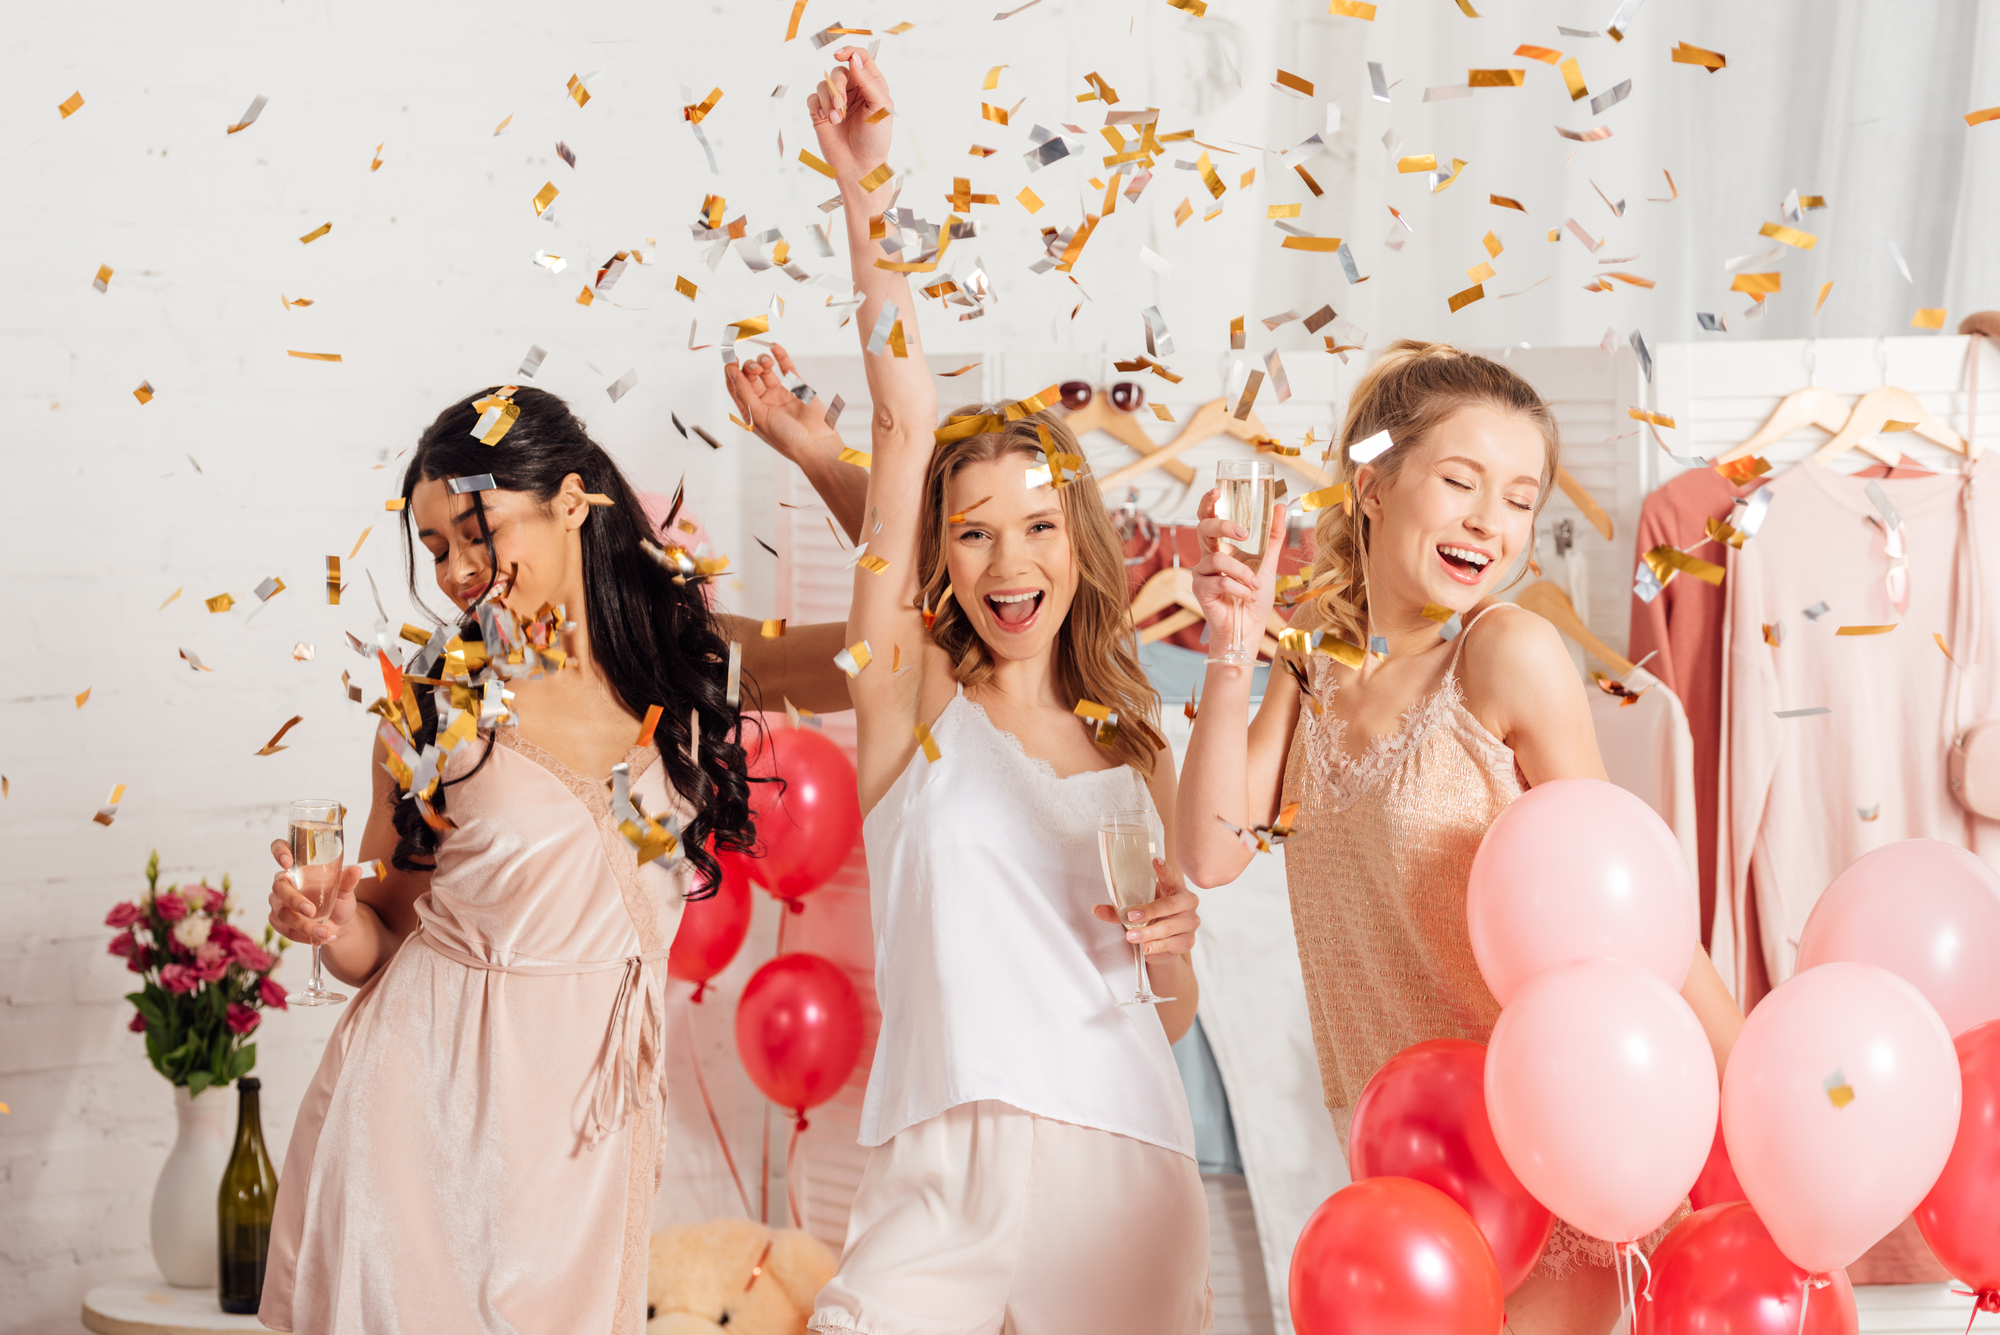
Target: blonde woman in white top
{"type": "Point", "coordinates": [1033, 1159]}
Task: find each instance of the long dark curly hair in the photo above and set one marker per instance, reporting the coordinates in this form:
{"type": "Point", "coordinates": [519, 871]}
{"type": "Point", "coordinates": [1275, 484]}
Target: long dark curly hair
{"type": "Point", "coordinates": [655, 640]}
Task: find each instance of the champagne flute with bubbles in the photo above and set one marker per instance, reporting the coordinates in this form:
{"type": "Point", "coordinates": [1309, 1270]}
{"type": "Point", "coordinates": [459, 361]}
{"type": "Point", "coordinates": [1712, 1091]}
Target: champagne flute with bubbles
{"type": "Point", "coordinates": [317, 858]}
{"type": "Point", "coordinates": [1127, 843]}
{"type": "Point", "coordinates": [1245, 490]}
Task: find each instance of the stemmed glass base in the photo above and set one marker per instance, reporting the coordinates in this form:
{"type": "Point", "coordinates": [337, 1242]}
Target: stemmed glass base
{"type": "Point", "coordinates": [1143, 994]}
{"type": "Point", "coordinates": [316, 993]}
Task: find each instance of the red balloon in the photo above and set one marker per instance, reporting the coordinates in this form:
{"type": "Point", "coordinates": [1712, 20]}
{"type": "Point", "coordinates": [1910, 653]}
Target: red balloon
{"type": "Point", "coordinates": [798, 1030]}
{"type": "Point", "coordinates": [1959, 1218]}
{"type": "Point", "coordinates": [1717, 1184]}
{"type": "Point", "coordinates": [1423, 1116]}
{"type": "Point", "coordinates": [1390, 1256]}
{"type": "Point", "coordinates": [806, 825]}
{"type": "Point", "coordinates": [712, 929]}
{"type": "Point", "coordinates": [1719, 1273]}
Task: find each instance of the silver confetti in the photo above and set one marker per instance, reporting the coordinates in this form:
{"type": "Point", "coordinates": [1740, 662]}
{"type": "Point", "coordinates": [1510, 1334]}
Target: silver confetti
{"type": "Point", "coordinates": [460, 486]}
{"type": "Point", "coordinates": [622, 386]}
{"type": "Point", "coordinates": [1159, 342]}
{"type": "Point", "coordinates": [1816, 611]}
{"type": "Point", "coordinates": [834, 409]}
{"type": "Point", "coordinates": [1378, 81]}
{"type": "Point", "coordinates": [1276, 374]}
{"type": "Point", "coordinates": [532, 362]}
{"type": "Point", "coordinates": [1604, 101]}
{"type": "Point", "coordinates": [1347, 264]}
{"type": "Point", "coordinates": [885, 320]}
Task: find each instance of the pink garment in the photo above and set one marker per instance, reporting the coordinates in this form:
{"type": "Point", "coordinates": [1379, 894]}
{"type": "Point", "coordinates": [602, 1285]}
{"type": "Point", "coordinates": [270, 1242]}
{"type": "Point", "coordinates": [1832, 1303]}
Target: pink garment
{"type": "Point", "coordinates": [1682, 630]}
{"type": "Point", "coordinates": [986, 1219]}
{"type": "Point", "coordinates": [1807, 795]}
{"type": "Point", "coordinates": [1646, 750]}
{"type": "Point", "coordinates": [441, 1176]}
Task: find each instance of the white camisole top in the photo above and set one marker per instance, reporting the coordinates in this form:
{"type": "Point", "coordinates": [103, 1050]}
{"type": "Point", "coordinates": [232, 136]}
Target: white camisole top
{"type": "Point", "coordinates": [994, 978]}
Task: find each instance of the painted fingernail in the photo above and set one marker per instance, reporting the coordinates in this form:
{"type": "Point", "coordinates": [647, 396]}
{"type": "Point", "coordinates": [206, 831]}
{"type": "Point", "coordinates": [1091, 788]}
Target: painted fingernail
{"type": "Point", "coordinates": [1134, 916]}
{"type": "Point", "coordinates": [1131, 936]}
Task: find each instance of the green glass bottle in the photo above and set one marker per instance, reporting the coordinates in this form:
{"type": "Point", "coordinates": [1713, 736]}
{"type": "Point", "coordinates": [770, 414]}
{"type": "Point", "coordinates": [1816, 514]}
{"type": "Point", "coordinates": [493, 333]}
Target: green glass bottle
{"type": "Point", "coordinates": [243, 1208]}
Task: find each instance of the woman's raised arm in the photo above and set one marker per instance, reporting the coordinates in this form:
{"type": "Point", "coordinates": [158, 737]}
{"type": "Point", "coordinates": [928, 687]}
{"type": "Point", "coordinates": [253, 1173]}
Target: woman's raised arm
{"type": "Point", "coordinates": [854, 119]}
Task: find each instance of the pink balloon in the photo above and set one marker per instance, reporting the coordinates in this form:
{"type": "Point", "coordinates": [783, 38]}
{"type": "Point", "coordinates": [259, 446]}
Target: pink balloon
{"type": "Point", "coordinates": [1601, 1088]}
{"type": "Point", "coordinates": [1926, 911]}
{"type": "Point", "coordinates": [1839, 1105]}
{"type": "Point", "coordinates": [1580, 869]}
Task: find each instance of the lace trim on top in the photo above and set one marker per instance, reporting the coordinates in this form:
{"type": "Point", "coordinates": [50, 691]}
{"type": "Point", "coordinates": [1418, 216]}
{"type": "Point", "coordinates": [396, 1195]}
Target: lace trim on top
{"type": "Point", "coordinates": [596, 796]}
{"type": "Point", "coordinates": [1346, 779]}
{"type": "Point", "coordinates": [1054, 797]}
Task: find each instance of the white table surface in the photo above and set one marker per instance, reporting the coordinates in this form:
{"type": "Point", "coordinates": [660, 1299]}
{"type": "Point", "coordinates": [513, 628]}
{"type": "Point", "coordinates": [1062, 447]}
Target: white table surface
{"type": "Point", "coordinates": [151, 1306]}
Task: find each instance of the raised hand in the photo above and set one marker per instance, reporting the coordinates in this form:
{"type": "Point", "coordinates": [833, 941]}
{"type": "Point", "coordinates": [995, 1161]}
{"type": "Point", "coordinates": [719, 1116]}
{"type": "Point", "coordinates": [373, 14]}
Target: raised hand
{"type": "Point", "coordinates": [788, 426]}
{"type": "Point", "coordinates": [1223, 584]}
{"type": "Point", "coordinates": [853, 138]}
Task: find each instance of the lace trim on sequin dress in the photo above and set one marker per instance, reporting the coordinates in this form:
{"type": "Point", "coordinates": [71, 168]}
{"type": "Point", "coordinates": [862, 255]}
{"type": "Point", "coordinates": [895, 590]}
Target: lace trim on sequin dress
{"type": "Point", "coordinates": [1346, 779]}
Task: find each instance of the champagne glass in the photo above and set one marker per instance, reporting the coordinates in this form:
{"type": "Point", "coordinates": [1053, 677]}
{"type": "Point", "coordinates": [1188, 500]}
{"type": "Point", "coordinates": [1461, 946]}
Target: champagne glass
{"type": "Point", "coordinates": [1245, 489]}
{"type": "Point", "coordinates": [316, 863]}
{"type": "Point", "coordinates": [1127, 843]}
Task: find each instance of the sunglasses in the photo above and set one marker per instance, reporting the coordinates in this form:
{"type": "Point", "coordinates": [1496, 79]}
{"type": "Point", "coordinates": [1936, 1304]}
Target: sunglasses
{"type": "Point", "coordinates": [1126, 396]}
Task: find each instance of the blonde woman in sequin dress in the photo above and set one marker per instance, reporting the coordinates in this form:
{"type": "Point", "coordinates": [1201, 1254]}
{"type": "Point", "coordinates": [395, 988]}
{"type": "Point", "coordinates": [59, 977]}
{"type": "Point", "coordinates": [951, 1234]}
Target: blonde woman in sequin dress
{"type": "Point", "coordinates": [1408, 758]}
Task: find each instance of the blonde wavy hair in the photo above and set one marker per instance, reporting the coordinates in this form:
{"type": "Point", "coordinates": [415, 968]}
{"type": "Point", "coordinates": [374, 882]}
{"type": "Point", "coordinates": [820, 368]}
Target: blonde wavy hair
{"type": "Point", "coordinates": [1095, 658]}
{"type": "Point", "coordinates": [1412, 387]}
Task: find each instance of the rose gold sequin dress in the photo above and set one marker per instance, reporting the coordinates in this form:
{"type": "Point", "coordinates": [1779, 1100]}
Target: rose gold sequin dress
{"type": "Point", "coordinates": [480, 1149]}
{"type": "Point", "coordinates": [1377, 872]}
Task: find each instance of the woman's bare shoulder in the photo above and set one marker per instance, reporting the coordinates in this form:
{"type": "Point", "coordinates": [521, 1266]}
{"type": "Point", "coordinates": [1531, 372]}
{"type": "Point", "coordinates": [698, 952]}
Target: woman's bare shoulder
{"type": "Point", "coordinates": [1516, 656]}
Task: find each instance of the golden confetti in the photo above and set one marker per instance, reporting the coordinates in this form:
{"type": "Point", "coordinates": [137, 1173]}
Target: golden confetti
{"type": "Point", "coordinates": [109, 811]}
{"type": "Point", "coordinates": [1838, 1091]}
{"type": "Point", "coordinates": [1295, 83]}
{"type": "Point", "coordinates": [1195, 7]}
{"type": "Point", "coordinates": [1352, 9]}
{"type": "Point", "coordinates": [1665, 561]}
{"type": "Point", "coordinates": [315, 234]}
{"type": "Point", "coordinates": [314, 356]}
{"type": "Point", "coordinates": [1160, 411]}
{"type": "Point", "coordinates": [376, 165]}
{"type": "Point", "coordinates": [1460, 300]}
{"type": "Point", "coordinates": [1824, 288]}
{"type": "Point", "coordinates": [1673, 191]}
{"type": "Point", "coordinates": [1480, 272]}
{"type": "Point", "coordinates": [1283, 210]}
{"type": "Point", "coordinates": [853, 658]}
{"type": "Point", "coordinates": [1492, 244]}
{"type": "Point", "coordinates": [271, 747]}
{"type": "Point", "coordinates": [394, 503]}
{"type": "Point", "coordinates": [1931, 317]}
{"type": "Point", "coordinates": [651, 722]}
{"type": "Point", "coordinates": [1432, 612]}
{"type": "Point", "coordinates": [1773, 636]}
{"type": "Point", "coordinates": [1740, 471]}
{"type": "Point", "coordinates": [1029, 200]}
{"type": "Point", "coordinates": [1657, 419]}
{"type": "Point", "coordinates": [170, 597]}
{"type": "Point", "coordinates": [798, 11]}
{"type": "Point", "coordinates": [103, 280]}
{"type": "Point", "coordinates": [1634, 279]}
{"type": "Point", "coordinates": [927, 742]}
{"type": "Point", "coordinates": [584, 298]}
{"type": "Point", "coordinates": [84, 696]}
{"type": "Point", "coordinates": [1971, 117]}
{"type": "Point", "coordinates": [1183, 213]}
{"type": "Point", "coordinates": [1496, 78]}
{"type": "Point", "coordinates": [850, 455]}
{"type": "Point", "coordinates": [773, 629]}
{"type": "Point", "coordinates": [69, 106]}
{"type": "Point", "coordinates": [1573, 78]}
{"type": "Point", "coordinates": [816, 164]}
{"type": "Point", "coordinates": [545, 197]}
{"type": "Point", "coordinates": [333, 581]}
{"type": "Point", "coordinates": [145, 391]}
{"type": "Point", "coordinates": [1320, 243]}
{"type": "Point", "coordinates": [1684, 54]}
{"type": "Point", "coordinates": [876, 179]}
{"type": "Point", "coordinates": [1465, 8]}
{"type": "Point", "coordinates": [1421, 162]}
{"type": "Point", "coordinates": [1506, 203]}
{"type": "Point", "coordinates": [578, 91]}
{"type": "Point", "coordinates": [1754, 283]}
{"type": "Point", "coordinates": [1541, 53]}
{"type": "Point", "coordinates": [221, 602]}
{"type": "Point", "coordinates": [1324, 497]}
{"type": "Point", "coordinates": [755, 324]}
{"type": "Point", "coordinates": [1790, 236]}
{"type": "Point", "coordinates": [503, 124]}
{"type": "Point", "coordinates": [1104, 721]}
{"type": "Point", "coordinates": [1865, 630]}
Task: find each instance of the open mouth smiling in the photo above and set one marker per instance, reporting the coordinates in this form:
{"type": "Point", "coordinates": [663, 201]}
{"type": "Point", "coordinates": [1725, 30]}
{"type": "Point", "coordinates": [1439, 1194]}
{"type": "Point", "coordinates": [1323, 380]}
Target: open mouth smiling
{"type": "Point", "coordinates": [1467, 565]}
{"type": "Point", "coordinates": [1015, 609]}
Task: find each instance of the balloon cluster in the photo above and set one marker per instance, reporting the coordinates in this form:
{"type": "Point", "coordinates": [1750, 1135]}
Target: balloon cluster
{"type": "Point", "coordinates": [1596, 1100]}
{"type": "Point", "coordinates": [799, 1022]}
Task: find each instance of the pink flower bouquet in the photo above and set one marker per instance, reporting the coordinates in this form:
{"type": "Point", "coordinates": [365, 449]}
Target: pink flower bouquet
{"type": "Point", "coordinates": [206, 982]}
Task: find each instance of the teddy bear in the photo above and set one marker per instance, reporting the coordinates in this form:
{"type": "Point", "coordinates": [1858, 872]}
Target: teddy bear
{"type": "Point", "coordinates": [733, 1277]}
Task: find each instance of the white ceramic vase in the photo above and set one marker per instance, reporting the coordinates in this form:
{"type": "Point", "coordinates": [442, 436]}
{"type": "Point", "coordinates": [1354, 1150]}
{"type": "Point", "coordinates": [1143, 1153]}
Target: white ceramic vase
{"type": "Point", "coordinates": [184, 1199]}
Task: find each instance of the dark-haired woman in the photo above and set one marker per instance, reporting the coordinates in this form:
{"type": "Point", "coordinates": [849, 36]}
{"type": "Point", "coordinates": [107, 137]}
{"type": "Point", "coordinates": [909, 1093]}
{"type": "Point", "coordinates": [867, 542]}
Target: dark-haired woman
{"type": "Point", "coordinates": [480, 1148]}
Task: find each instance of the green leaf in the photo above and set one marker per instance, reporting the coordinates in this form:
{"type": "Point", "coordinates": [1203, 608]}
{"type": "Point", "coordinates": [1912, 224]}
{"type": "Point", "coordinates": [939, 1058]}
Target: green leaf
{"type": "Point", "coordinates": [199, 1081]}
{"type": "Point", "coordinates": [242, 1062]}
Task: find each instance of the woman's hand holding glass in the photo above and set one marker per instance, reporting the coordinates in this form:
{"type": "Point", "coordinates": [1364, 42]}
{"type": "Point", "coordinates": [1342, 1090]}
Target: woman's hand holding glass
{"type": "Point", "coordinates": [1167, 925]}
{"type": "Point", "coordinates": [293, 913]}
{"type": "Point", "coordinates": [1228, 589]}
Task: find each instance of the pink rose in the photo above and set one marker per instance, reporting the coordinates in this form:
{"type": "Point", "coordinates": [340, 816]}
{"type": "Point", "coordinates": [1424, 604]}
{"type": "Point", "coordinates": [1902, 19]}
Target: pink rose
{"type": "Point", "coordinates": [252, 956]}
{"type": "Point", "coordinates": [273, 993]}
{"type": "Point", "coordinates": [240, 1018]}
{"type": "Point", "coordinates": [171, 906]}
{"type": "Point", "coordinates": [211, 963]}
{"type": "Point", "coordinates": [138, 1025]}
{"type": "Point", "coordinates": [204, 897]}
{"type": "Point", "coordinates": [124, 915]}
{"type": "Point", "coordinates": [124, 944]}
{"type": "Point", "coordinates": [142, 960]}
{"type": "Point", "coordinates": [178, 978]}
{"type": "Point", "coordinates": [223, 934]}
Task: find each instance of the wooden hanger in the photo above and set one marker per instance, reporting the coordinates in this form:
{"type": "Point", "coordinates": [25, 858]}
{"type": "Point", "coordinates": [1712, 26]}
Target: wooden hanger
{"type": "Point", "coordinates": [1811, 406]}
{"type": "Point", "coordinates": [1887, 404]}
{"type": "Point", "coordinates": [1210, 420]}
{"type": "Point", "coordinates": [1174, 586]}
{"type": "Point", "coordinates": [1551, 604]}
{"type": "Point", "coordinates": [1099, 415]}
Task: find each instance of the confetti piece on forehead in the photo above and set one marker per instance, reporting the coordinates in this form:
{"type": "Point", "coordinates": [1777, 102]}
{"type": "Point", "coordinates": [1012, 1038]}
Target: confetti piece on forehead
{"type": "Point", "coordinates": [318, 232]}
{"type": "Point", "coordinates": [460, 486]}
{"type": "Point", "coordinates": [272, 747]}
{"type": "Point", "coordinates": [1605, 101]}
{"type": "Point", "coordinates": [1496, 78]}
{"type": "Point", "coordinates": [69, 106]}
{"type": "Point", "coordinates": [623, 385]}
{"type": "Point", "coordinates": [250, 116]}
